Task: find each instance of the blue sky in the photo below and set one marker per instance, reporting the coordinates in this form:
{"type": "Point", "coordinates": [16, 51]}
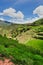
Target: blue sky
{"type": "Point", "coordinates": [26, 7]}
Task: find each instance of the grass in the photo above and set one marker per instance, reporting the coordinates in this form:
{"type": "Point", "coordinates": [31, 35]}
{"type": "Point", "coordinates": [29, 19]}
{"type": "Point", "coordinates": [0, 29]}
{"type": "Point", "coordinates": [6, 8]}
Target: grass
{"type": "Point", "coordinates": [27, 53]}
{"type": "Point", "coordinates": [36, 43]}
{"type": "Point", "coordinates": [21, 54]}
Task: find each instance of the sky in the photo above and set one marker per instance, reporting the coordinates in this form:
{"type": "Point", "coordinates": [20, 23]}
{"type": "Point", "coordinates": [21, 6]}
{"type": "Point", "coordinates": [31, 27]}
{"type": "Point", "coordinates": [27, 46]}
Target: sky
{"type": "Point", "coordinates": [21, 11]}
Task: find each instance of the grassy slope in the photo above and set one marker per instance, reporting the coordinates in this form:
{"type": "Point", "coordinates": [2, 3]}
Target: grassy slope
{"type": "Point", "coordinates": [20, 54]}
{"type": "Point", "coordinates": [36, 43]}
{"type": "Point", "coordinates": [29, 54]}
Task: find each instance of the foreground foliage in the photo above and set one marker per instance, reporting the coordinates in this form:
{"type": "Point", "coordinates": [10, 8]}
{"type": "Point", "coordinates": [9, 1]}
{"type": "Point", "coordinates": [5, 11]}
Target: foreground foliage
{"type": "Point", "coordinates": [21, 54]}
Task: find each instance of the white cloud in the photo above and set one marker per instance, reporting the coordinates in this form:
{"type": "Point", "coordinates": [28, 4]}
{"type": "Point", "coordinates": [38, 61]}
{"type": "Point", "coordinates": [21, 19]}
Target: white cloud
{"type": "Point", "coordinates": [12, 13]}
{"type": "Point", "coordinates": [39, 11]}
{"type": "Point", "coordinates": [18, 17]}
{"type": "Point", "coordinates": [21, 21]}
{"type": "Point", "coordinates": [9, 10]}
{"type": "Point", "coordinates": [24, 21]}
{"type": "Point", "coordinates": [31, 20]}
{"type": "Point", "coordinates": [20, 14]}
{"type": "Point", "coordinates": [2, 19]}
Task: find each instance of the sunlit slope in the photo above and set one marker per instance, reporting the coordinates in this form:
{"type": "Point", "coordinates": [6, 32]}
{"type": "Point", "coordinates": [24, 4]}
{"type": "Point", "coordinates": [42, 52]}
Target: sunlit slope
{"type": "Point", "coordinates": [20, 54]}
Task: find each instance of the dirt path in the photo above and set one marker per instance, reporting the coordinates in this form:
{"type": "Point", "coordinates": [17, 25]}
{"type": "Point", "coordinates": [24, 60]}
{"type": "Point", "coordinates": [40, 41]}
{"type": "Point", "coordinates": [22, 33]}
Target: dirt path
{"type": "Point", "coordinates": [6, 62]}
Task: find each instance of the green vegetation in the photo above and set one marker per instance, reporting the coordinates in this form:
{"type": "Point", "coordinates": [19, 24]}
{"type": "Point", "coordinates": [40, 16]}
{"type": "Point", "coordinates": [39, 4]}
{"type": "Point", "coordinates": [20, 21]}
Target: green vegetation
{"type": "Point", "coordinates": [13, 30]}
{"type": "Point", "coordinates": [38, 22]}
{"type": "Point", "coordinates": [30, 53]}
{"type": "Point", "coordinates": [36, 43]}
{"type": "Point", "coordinates": [22, 54]}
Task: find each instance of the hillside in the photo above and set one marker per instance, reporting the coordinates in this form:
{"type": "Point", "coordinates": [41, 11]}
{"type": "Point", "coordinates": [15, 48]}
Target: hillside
{"type": "Point", "coordinates": [4, 23]}
{"type": "Point", "coordinates": [38, 22]}
{"type": "Point", "coordinates": [21, 32]}
{"type": "Point", "coordinates": [21, 54]}
{"type": "Point", "coordinates": [12, 30]}
{"type": "Point", "coordinates": [22, 43]}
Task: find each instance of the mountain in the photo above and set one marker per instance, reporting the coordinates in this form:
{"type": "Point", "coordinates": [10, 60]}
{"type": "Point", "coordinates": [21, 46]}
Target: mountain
{"type": "Point", "coordinates": [4, 23]}
{"type": "Point", "coordinates": [38, 22]}
{"type": "Point", "coordinates": [27, 49]}
{"type": "Point", "coordinates": [13, 30]}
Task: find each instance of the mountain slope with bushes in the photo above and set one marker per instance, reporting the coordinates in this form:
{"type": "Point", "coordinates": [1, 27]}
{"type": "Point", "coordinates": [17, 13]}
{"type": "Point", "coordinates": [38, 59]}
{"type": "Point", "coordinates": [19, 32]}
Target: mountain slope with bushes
{"type": "Point", "coordinates": [23, 44]}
